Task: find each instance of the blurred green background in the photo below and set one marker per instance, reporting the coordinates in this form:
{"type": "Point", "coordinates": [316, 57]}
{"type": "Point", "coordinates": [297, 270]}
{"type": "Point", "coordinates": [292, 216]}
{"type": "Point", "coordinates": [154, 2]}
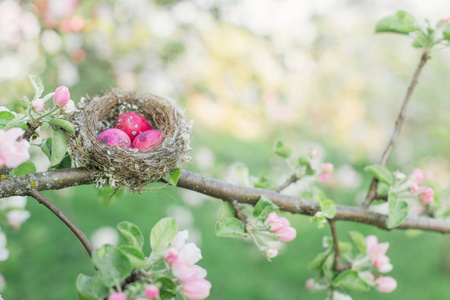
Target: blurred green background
{"type": "Point", "coordinates": [311, 73]}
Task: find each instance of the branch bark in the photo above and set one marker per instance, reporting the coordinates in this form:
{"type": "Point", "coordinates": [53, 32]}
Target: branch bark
{"type": "Point", "coordinates": [55, 209]}
{"type": "Point", "coordinates": [292, 179]}
{"type": "Point", "coordinates": [58, 179]}
{"type": "Point", "coordinates": [398, 126]}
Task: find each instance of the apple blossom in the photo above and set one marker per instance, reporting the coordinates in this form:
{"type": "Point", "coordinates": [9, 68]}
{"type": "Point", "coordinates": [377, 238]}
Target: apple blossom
{"type": "Point", "coordinates": [69, 107]}
{"type": "Point", "coordinates": [196, 289]}
{"type": "Point", "coordinates": [38, 104]}
{"type": "Point", "coordinates": [314, 153]}
{"type": "Point", "coordinates": [286, 234]}
{"type": "Point", "coordinates": [327, 169]}
{"type": "Point", "coordinates": [13, 152]}
{"type": "Point", "coordinates": [151, 291]}
{"type": "Point", "coordinates": [386, 284]}
{"type": "Point", "coordinates": [16, 217]}
{"type": "Point", "coordinates": [117, 296]}
{"type": "Point", "coordinates": [4, 253]}
{"type": "Point", "coordinates": [271, 253]}
{"type": "Point", "coordinates": [418, 176]}
{"type": "Point", "coordinates": [275, 222]}
{"type": "Point", "coordinates": [62, 96]}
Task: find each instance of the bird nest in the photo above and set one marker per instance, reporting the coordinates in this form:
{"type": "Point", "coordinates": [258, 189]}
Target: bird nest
{"type": "Point", "coordinates": [129, 169]}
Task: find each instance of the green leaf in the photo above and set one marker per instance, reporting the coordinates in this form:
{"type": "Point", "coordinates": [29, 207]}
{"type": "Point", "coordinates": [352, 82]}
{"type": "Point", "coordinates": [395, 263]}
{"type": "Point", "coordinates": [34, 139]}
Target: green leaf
{"type": "Point", "coordinates": [37, 85]}
{"type": "Point", "coordinates": [174, 176]}
{"type": "Point", "coordinates": [318, 195]}
{"type": "Point", "coordinates": [446, 32]}
{"type": "Point", "coordinates": [66, 163]}
{"type": "Point", "coordinates": [131, 234]}
{"type": "Point", "coordinates": [64, 124]}
{"type": "Point", "coordinates": [401, 23]}
{"type": "Point", "coordinates": [319, 260]}
{"type": "Point", "coordinates": [226, 211]}
{"type": "Point", "coordinates": [328, 208]}
{"type": "Point", "coordinates": [398, 210]}
{"type": "Point", "coordinates": [27, 167]}
{"type": "Point", "coordinates": [162, 234]}
{"type": "Point", "coordinates": [168, 287]}
{"type": "Point", "coordinates": [113, 264]}
{"type": "Point", "coordinates": [349, 279]}
{"type": "Point", "coordinates": [46, 147]}
{"type": "Point", "coordinates": [420, 39]}
{"type": "Point", "coordinates": [230, 227]}
{"type": "Point", "coordinates": [345, 247]}
{"type": "Point", "coordinates": [5, 118]}
{"type": "Point", "coordinates": [264, 207]}
{"type": "Point", "coordinates": [282, 150]}
{"type": "Point", "coordinates": [264, 183]}
{"type": "Point", "coordinates": [359, 241]}
{"type": "Point", "coordinates": [135, 256]}
{"type": "Point", "coordinates": [381, 173]}
{"type": "Point", "coordinates": [90, 288]}
{"type": "Point", "coordinates": [25, 103]}
{"type": "Point", "coordinates": [16, 122]}
{"type": "Point", "coordinates": [59, 147]}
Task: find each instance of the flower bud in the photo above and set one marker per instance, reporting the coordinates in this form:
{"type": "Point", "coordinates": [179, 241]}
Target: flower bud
{"type": "Point", "coordinates": [271, 253]}
{"type": "Point", "coordinates": [62, 96]}
{"type": "Point", "coordinates": [327, 168]}
{"type": "Point", "coordinates": [196, 289]}
{"type": "Point", "coordinates": [427, 195]}
{"type": "Point", "coordinates": [418, 176]}
{"type": "Point", "coordinates": [414, 189]}
{"type": "Point", "coordinates": [38, 104]}
{"type": "Point", "coordinates": [314, 153]}
{"type": "Point", "coordinates": [286, 234]}
{"type": "Point", "coordinates": [386, 284]}
{"type": "Point", "coordinates": [151, 291]}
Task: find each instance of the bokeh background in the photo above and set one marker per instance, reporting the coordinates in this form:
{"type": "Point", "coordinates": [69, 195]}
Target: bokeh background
{"type": "Point", "coordinates": [249, 72]}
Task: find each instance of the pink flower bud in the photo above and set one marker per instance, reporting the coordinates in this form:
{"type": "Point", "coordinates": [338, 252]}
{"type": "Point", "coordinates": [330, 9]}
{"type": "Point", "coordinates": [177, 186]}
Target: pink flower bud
{"type": "Point", "coordinates": [427, 195]}
{"type": "Point", "coordinates": [327, 168]}
{"type": "Point", "coordinates": [314, 153]}
{"type": "Point", "coordinates": [151, 291]}
{"type": "Point", "coordinates": [418, 176]}
{"type": "Point", "coordinates": [445, 20]}
{"type": "Point", "coordinates": [275, 222]}
{"type": "Point", "coordinates": [171, 255]}
{"type": "Point", "coordinates": [117, 296]}
{"type": "Point", "coordinates": [324, 177]}
{"type": "Point", "coordinates": [386, 284]}
{"type": "Point", "coordinates": [196, 289]}
{"type": "Point", "coordinates": [38, 105]}
{"type": "Point", "coordinates": [271, 253]}
{"type": "Point", "coordinates": [414, 189]}
{"type": "Point", "coordinates": [309, 284]}
{"type": "Point", "coordinates": [62, 95]}
{"type": "Point", "coordinates": [287, 234]}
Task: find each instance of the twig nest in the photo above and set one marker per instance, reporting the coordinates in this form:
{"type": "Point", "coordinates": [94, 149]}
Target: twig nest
{"type": "Point", "coordinates": [128, 168]}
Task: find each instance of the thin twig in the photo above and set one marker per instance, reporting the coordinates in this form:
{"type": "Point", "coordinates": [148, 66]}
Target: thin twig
{"type": "Point", "coordinates": [58, 179]}
{"type": "Point", "coordinates": [398, 125]}
{"type": "Point", "coordinates": [292, 179]}
{"type": "Point", "coordinates": [57, 211]}
{"type": "Point", "coordinates": [337, 265]}
{"type": "Point", "coordinates": [239, 214]}
{"type": "Point", "coordinates": [30, 131]}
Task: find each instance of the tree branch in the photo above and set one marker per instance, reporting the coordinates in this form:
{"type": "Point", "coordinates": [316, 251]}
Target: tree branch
{"type": "Point", "coordinates": [58, 179]}
{"type": "Point", "coordinates": [337, 265]}
{"type": "Point", "coordinates": [398, 126]}
{"type": "Point", "coordinates": [55, 209]}
{"type": "Point", "coordinates": [292, 179]}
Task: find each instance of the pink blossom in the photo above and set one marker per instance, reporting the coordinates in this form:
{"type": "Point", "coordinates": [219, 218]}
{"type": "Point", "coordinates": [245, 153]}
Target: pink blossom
{"type": "Point", "coordinates": [427, 195]}
{"type": "Point", "coordinates": [171, 255]}
{"type": "Point", "coordinates": [275, 222]}
{"type": "Point", "coordinates": [271, 253]}
{"type": "Point", "coordinates": [377, 254]}
{"type": "Point", "coordinates": [445, 20]}
{"type": "Point", "coordinates": [414, 189]}
{"type": "Point", "coordinates": [309, 284]}
{"type": "Point", "coordinates": [324, 177]}
{"type": "Point", "coordinates": [151, 291]}
{"type": "Point", "coordinates": [72, 24]}
{"type": "Point", "coordinates": [187, 273]}
{"type": "Point", "coordinates": [196, 289]}
{"type": "Point", "coordinates": [62, 95]}
{"type": "Point", "coordinates": [386, 284]}
{"type": "Point", "coordinates": [13, 152]}
{"type": "Point", "coordinates": [418, 176]}
{"type": "Point", "coordinates": [383, 264]}
{"type": "Point", "coordinates": [287, 234]}
{"type": "Point", "coordinates": [327, 168]}
{"type": "Point", "coordinates": [314, 153]}
{"type": "Point", "coordinates": [117, 296]}
{"type": "Point", "coordinates": [38, 104]}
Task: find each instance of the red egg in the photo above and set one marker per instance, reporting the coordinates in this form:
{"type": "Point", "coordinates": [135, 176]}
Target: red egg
{"type": "Point", "coordinates": [148, 139]}
{"type": "Point", "coordinates": [132, 123]}
{"type": "Point", "coordinates": [115, 137]}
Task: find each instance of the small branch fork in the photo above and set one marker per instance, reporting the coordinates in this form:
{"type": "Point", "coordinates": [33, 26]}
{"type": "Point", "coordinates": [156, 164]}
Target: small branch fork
{"type": "Point", "coordinates": [57, 211]}
{"type": "Point", "coordinates": [338, 266]}
{"type": "Point", "coordinates": [372, 194]}
{"type": "Point", "coordinates": [292, 179]}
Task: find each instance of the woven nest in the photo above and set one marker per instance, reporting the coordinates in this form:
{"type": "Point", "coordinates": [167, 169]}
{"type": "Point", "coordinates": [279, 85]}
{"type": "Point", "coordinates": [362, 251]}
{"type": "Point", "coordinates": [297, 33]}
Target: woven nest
{"type": "Point", "coordinates": [129, 169]}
